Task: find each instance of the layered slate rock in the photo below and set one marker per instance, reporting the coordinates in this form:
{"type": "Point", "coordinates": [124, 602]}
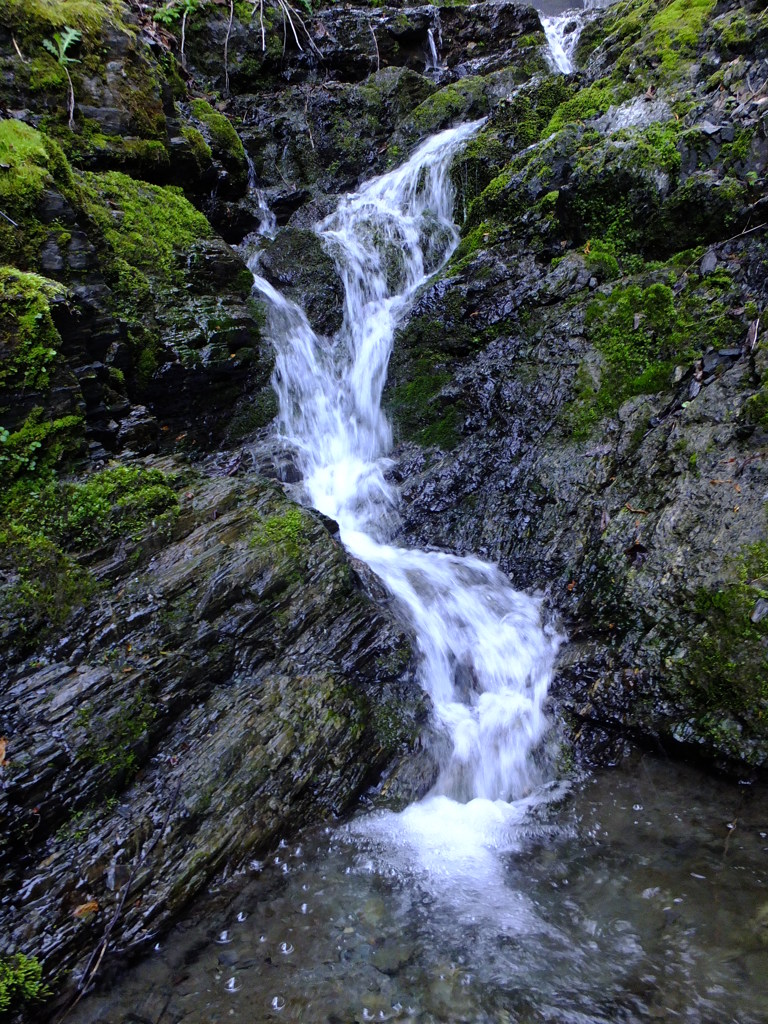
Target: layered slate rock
{"type": "Point", "coordinates": [227, 682]}
{"type": "Point", "coordinates": [144, 305]}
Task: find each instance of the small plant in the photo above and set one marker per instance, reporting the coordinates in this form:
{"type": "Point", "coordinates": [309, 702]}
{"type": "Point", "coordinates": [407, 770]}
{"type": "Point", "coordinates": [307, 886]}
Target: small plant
{"type": "Point", "coordinates": [170, 13]}
{"type": "Point", "coordinates": [58, 48]}
{"type": "Point", "coordinates": [21, 981]}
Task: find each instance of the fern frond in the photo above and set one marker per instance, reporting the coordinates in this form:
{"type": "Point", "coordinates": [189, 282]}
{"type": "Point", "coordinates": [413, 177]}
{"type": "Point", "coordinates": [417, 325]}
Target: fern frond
{"type": "Point", "coordinates": [68, 37]}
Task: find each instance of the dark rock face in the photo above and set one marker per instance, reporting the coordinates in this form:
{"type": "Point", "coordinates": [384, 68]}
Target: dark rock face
{"type": "Point", "coordinates": [580, 396]}
{"type": "Point", "coordinates": [169, 324]}
{"type": "Point", "coordinates": [348, 44]}
{"type": "Point", "coordinates": [298, 266]}
{"type": "Point", "coordinates": [235, 684]}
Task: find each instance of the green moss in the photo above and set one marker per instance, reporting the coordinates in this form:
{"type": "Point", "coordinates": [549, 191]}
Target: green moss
{"type": "Point", "coordinates": [286, 532]}
{"type": "Point", "coordinates": [199, 148]}
{"type": "Point", "coordinates": [42, 585]}
{"type": "Point", "coordinates": [734, 34]}
{"type": "Point", "coordinates": [589, 102]}
{"type": "Point", "coordinates": [33, 16]}
{"type": "Point", "coordinates": [146, 227]}
{"type": "Point", "coordinates": [459, 99]}
{"type": "Point", "coordinates": [411, 402]}
{"type": "Point", "coordinates": [222, 137]}
{"type": "Point", "coordinates": [253, 415]}
{"type": "Point", "coordinates": [477, 240]}
{"type": "Point", "coordinates": [735, 154]}
{"type": "Point", "coordinates": [530, 109]}
{"type": "Point", "coordinates": [641, 334]}
{"type": "Point", "coordinates": [21, 982]}
{"type": "Point", "coordinates": [652, 40]}
{"type": "Point", "coordinates": [601, 259]}
{"type": "Point", "coordinates": [756, 409]}
{"type": "Point", "coordinates": [107, 30]}
{"type": "Point", "coordinates": [29, 341]}
{"type": "Point", "coordinates": [623, 192]}
{"type": "Point", "coordinates": [678, 25]}
{"type": "Point", "coordinates": [728, 667]}
{"type": "Point", "coordinates": [118, 502]}
{"type": "Point", "coordinates": [39, 445]}
{"type": "Point", "coordinates": [45, 523]}
{"type": "Point", "coordinates": [112, 742]}
{"type": "Point", "coordinates": [33, 163]}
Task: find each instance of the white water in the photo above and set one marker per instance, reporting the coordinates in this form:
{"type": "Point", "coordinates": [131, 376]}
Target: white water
{"type": "Point", "coordinates": [562, 32]}
{"type": "Point", "coordinates": [486, 661]}
{"type": "Point", "coordinates": [433, 60]}
{"type": "Point", "coordinates": [268, 225]}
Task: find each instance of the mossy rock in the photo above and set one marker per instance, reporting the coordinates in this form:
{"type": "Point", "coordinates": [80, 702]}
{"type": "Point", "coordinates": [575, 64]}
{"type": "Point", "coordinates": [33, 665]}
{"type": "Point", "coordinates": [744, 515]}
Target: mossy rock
{"type": "Point", "coordinates": [458, 101]}
{"type": "Point", "coordinates": [33, 163]}
{"type": "Point", "coordinates": [147, 228]}
{"type": "Point", "coordinates": [120, 111]}
{"type": "Point", "coordinates": [298, 264]}
{"type": "Point", "coordinates": [46, 523]}
{"type": "Point", "coordinates": [642, 334]}
{"type": "Point", "coordinates": [224, 142]}
{"type": "Point", "coordinates": [41, 405]}
{"type": "Point", "coordinates": [647, 42]}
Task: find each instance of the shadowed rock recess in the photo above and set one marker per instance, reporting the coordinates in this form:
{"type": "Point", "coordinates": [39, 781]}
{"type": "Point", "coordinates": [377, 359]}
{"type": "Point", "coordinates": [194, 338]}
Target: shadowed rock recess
{"type": "Point", "coordinates": [192, 666]}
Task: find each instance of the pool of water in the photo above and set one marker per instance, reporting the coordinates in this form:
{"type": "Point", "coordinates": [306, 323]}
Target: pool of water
{"type": "Point", "coordinates": [633, 895]}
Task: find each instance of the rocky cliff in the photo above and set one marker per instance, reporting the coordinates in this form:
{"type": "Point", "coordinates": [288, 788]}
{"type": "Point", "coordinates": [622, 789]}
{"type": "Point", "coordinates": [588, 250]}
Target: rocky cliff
{"type": "Point", "coordinates": [192, 666]}
{"type": "Point", "coordinates": [580, 396]}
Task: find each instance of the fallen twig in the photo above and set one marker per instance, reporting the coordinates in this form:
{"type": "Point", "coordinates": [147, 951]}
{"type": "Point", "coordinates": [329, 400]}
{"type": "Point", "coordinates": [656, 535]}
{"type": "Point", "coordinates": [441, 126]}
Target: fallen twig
{"type": "Point", "coordinates": [94, 963]}
{"type": "Point", "coordinates": [376, 45]}
{"type": "Point", "coordinates": [16, 48]}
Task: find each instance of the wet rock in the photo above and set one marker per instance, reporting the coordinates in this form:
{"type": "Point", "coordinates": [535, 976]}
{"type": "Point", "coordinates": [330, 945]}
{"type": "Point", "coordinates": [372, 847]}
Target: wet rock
{"type": "Point", "coordinates": [297, 264]}
{"type": "Point", "coordinates": [641, 521]}
{"type": "Point", "coordinates": [239, 684]}
{"type": "Point", "coordinates": [138, 431]}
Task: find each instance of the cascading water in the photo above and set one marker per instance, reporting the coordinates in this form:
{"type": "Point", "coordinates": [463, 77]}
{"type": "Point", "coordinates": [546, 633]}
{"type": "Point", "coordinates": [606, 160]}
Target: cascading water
{"type": "Point", "coordinates": [563, 28]}
{"type": "Point", "coordinates": [562, 32]}
{"type": "Point", "coordinates": [268, 225]}
{"type": "Point", "coordinates": [485, 658]}
{"type": "Point", "coordinates": [433, 58]}
{"type": "Point", "coordinates": [633, 904]}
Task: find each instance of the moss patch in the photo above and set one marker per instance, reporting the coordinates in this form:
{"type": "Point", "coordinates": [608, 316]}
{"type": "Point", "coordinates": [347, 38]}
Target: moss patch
{"type": "Point", "coordinates": [21, 982]}
{"type": "Point", "coordinates": [641, 334]}
{"type": "Point", "coordinates": [147, 227]}
{"type": "Point", "coordinates": [221, 137]}
{"type": "Point", "coordinates": [286, 532]}
{"type": "Point", "coordinates": [29, 341]}
{"type": "Point", "coordinates": [728, 667]}
{"type": "Point", "coordinates": [46, 523]}
{"type": "Point", "coordinates": [33, 163]}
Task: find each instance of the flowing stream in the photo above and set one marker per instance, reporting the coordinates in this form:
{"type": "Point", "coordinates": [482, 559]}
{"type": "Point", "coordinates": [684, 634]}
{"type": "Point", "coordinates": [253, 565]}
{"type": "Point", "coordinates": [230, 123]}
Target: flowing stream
{"type": "Point", "coordinates": [501, 896]}
{"type": "Point", "coordinates": [485, 658]}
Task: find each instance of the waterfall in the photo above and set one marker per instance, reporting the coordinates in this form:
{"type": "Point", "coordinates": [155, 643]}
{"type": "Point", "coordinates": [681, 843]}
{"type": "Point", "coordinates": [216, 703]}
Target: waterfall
{"type": "Point", "coordinates": [485, 658]}
{"type": "Point", "coordinates": [563, 30]}
{"type": "Point", "coordinates": [433, 60]}
{"type": "Point", "coordinates": [268, 225]}
{"type": "Point", "coordinates": [434, 42]}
